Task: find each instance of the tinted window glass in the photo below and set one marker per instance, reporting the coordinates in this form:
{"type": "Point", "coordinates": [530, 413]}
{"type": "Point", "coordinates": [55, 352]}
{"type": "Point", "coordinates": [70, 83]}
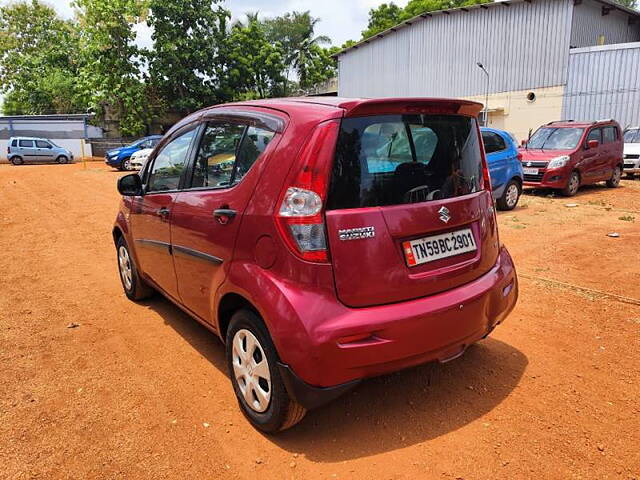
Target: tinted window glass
{"type": "Point", "coordinates": [217, 155]}
{"type": "Point", "coordinates": [549, 138]}
{"type": "Point", "coordinates": [41, 144]}
{"type": "Point", "coordinates": [14, 143]}
{"type": "Point", "coordinates": [26, 143]}
{"type": "Point", "coordinates": [632, 136]}
{"type": "Point", "coordinates": [253, 145]}
{"type": "Point", "coordinates": [394, 159]}
{"type": "Point", "coordinates": [610, 134]}
{"type": "Point", "coordinates": [595, 134]}
{"type": "Point", "coordinates": [169, 163]}
{"type": "Point", "coordinates": [493, 142]}
{"type": "Point", "coordinates": [227, 153]}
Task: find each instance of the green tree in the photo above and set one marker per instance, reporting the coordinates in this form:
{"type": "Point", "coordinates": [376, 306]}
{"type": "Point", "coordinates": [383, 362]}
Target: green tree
{"type": "Point", "coordinates": [110, 73]}
{"type": "Point", "coordinates": [38, 60]}
{"type": "Point", "coordinates": [295, 31]}
{"type": "Point", "coordinates": [385, 16]}
{"type": "Point", "coordinates": [250, 66]}
{"type": "Point", "coordinates": [628, 3]}
{"type": "Point", "coordinates": [187, 36]}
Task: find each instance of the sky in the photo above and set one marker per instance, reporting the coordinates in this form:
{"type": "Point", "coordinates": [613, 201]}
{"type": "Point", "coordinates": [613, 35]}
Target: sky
{"type": "Point", "coordinates": [341, 20]}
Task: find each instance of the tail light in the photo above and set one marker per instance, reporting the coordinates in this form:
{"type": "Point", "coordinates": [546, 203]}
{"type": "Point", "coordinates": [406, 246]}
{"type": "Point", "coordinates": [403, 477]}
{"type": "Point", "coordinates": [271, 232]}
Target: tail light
{"type": "Point", "coordinates": [300, 216]}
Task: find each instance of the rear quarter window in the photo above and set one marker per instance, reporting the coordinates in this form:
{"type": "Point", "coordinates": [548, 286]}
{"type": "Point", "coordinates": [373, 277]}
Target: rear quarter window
{"type": "Point", "coordinates": [400, 159]}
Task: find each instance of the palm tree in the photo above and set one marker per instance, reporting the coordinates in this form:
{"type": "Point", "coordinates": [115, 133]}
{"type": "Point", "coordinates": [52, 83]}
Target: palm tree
{"type": "Point", "coordinates": [302, 52]}
{"type": "Point", "coordinates": [251, 17]}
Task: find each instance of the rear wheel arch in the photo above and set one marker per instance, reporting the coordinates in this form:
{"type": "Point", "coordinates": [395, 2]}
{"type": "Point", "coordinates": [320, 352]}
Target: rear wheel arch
{"type": "Point", "coordinates": [229, 304]}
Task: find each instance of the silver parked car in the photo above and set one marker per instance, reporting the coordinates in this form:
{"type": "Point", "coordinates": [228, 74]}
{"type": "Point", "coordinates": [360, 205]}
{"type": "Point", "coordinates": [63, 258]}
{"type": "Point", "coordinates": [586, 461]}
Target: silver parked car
{"type": "Point", "coordinates": [30, 149]}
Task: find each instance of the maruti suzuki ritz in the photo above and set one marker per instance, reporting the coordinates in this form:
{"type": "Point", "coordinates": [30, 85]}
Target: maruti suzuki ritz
{"type": "Point", "coordinates": [323, 240]}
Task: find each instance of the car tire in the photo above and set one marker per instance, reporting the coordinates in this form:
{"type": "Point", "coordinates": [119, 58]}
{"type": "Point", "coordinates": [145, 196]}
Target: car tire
{"type": "Point", "coordinates": [263, 401]}
{"type": "Point", "coordinates": [614, 181]}
{"type": "Point", "coordinates": [510, 196]}
{"type": "Point", "coordinates": [17, 160]}
{"type": "Point", "coordinates": [134, 287]}
{"type": "Point", "coordinates": [573, 184]}
{"type": "Point", "coordinates": [126, 164]}
{"type": "Point", "coordinates": [62, 159]}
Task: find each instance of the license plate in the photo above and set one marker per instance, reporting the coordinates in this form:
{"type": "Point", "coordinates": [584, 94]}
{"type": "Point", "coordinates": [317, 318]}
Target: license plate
{"type": "Point", "coordinates": [530, 171]}
{"type": "Point", "coordinates": [428, 249]}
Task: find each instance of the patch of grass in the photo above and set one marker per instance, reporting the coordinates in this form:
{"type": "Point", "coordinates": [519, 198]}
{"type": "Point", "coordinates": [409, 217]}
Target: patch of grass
{"type": "Point", "coordinates": [517, 226]}
{"type": "Point", "coordinates": [599, 203]}
{"type": "Point", "coordinates": [627, 218]}
{"type": "Point", "coordinates": [541, 269]}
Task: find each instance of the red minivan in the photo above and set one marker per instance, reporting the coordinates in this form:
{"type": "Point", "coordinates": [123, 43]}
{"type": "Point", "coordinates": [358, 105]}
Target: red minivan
{"type": "Point", "coordinates": [565, 155]}
{"type": "Point", "coordinates": [323, 240]}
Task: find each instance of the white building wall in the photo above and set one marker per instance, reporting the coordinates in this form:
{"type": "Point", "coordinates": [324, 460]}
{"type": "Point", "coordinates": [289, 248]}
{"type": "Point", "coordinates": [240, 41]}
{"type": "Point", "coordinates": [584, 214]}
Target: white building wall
{"type": "Point", "coordinates": [604, 82]}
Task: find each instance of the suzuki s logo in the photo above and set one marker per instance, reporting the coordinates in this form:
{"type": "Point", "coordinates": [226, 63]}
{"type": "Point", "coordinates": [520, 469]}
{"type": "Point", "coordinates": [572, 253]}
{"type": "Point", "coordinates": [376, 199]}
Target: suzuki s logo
{"type": "Point", "coordinates": [444, 214]}
{"type": "Point", "coordinates": [528, 164]}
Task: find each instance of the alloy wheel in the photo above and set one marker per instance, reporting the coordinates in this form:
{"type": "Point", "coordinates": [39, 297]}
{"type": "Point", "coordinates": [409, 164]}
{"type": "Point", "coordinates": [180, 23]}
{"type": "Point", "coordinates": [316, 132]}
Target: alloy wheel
{"type": "Point", "coordinates": [574, 183]}
{"type": "Point", "coordinates": [126, 272]}
{"type": "Point", "coordinates": [617, 175]}
{"type": "Point", "coordinates": [512, 195]}
{"type": "Point", "coordinates": [251, 370]}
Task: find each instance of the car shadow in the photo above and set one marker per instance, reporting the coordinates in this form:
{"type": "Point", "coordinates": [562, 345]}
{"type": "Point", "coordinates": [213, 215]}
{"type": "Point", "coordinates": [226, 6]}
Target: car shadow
{"type": "Point", "coordinates": [389, 412]}
{"type": "Point", "coordinates": [551, 193]}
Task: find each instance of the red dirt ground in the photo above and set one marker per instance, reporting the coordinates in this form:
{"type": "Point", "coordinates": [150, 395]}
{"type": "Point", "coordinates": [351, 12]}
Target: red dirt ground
{"type": "Point", "coordinates": [553, 393]}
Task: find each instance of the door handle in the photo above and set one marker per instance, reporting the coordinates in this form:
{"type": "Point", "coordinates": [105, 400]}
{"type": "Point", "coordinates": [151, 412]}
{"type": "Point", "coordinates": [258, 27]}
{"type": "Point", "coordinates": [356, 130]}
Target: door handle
{"type": "Point", "coordinates": [164, 212]}
{"type": "Point", "coordinates": [224, 215]}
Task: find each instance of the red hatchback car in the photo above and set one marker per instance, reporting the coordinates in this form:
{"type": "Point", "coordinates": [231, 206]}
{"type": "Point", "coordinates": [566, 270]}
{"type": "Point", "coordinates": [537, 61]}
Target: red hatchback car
{"type": "Point", "coordinates": [565, 155]}
{"type": "Point", "coordinates": [323, 240]}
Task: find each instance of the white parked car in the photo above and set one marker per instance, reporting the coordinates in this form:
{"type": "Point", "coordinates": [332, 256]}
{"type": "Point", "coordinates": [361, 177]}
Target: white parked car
{"type": "Point", "coordinates": [139, 158]}
{"type": "Point", "coordinates": [632, 151]}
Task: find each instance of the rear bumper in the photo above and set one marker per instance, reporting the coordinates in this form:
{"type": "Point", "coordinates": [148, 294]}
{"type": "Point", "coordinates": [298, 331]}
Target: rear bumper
{"type": "Point", "coordinates": [356, 343]}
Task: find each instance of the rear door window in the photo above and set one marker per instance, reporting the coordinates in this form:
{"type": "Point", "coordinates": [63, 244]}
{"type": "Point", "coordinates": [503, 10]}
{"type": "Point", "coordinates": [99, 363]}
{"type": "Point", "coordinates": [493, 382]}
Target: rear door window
{"type": "Point", "coordinates": [226, 154]}
{"type": "Point", "coordinates": [493, 142]}
{"type": "Point", "coordinates": [26, 143]}
{"type": "Point", "coordinates": [397, 159]}
{"type": "Point", "coordinates": [610, 134]}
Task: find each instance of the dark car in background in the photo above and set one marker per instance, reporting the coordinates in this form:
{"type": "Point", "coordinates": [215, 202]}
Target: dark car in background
{"type": "Point", "coordinates": [505, 168]}
{"type": "Point", "coordinates": [121, 157]}
{"type": "Point", "coordinates": [565, 155]}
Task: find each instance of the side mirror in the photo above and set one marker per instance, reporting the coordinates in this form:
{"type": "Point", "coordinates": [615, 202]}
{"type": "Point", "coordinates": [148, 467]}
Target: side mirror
{"type": "Point", "coordinates": [593, 144]}
{"type": "Point", "coordinates": [523, 143]}
{"type": "Point", "coordinates": [130, 185]}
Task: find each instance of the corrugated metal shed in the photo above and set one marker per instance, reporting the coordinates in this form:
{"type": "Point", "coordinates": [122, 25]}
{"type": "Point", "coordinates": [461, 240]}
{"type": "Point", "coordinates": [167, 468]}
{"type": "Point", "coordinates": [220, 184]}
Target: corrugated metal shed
{"type": "Point", "coordinates": [591, 20]}
{"type": "Point", "coordinates": [523, 45]}
{"type": "Point", "coordinates": [604, 82]}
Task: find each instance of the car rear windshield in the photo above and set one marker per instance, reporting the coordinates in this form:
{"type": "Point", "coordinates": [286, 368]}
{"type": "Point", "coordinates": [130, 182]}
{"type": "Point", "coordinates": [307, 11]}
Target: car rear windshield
{"type": "Point", "coordinates": [398, 159]}
{"type": "Point", "coordinates": [632, 136]}
{"type": "Point", "coordinates": [549, 138]}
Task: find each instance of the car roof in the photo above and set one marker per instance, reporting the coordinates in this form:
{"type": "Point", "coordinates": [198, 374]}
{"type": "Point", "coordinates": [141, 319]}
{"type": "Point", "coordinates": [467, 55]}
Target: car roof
{"type": "Point", "coordinates": [324, 108]}
{"type": "Point", "coordinates": [29, 138]}
{"type": "Point", "coordinates": [580, 123]}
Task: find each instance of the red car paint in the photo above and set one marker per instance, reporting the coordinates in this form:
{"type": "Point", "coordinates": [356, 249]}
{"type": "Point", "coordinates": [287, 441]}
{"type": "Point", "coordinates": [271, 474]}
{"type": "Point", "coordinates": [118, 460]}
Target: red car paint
{"type": "Point", "coordinates": [351, 311]}
{"type": "Point", "coordinates": [594, 164]}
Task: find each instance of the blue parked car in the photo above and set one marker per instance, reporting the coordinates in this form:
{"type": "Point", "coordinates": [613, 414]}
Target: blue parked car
{"type": "Point", "coordinates": [505, 167]}
{"type": "Point", "coordinates": [121, 157]}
